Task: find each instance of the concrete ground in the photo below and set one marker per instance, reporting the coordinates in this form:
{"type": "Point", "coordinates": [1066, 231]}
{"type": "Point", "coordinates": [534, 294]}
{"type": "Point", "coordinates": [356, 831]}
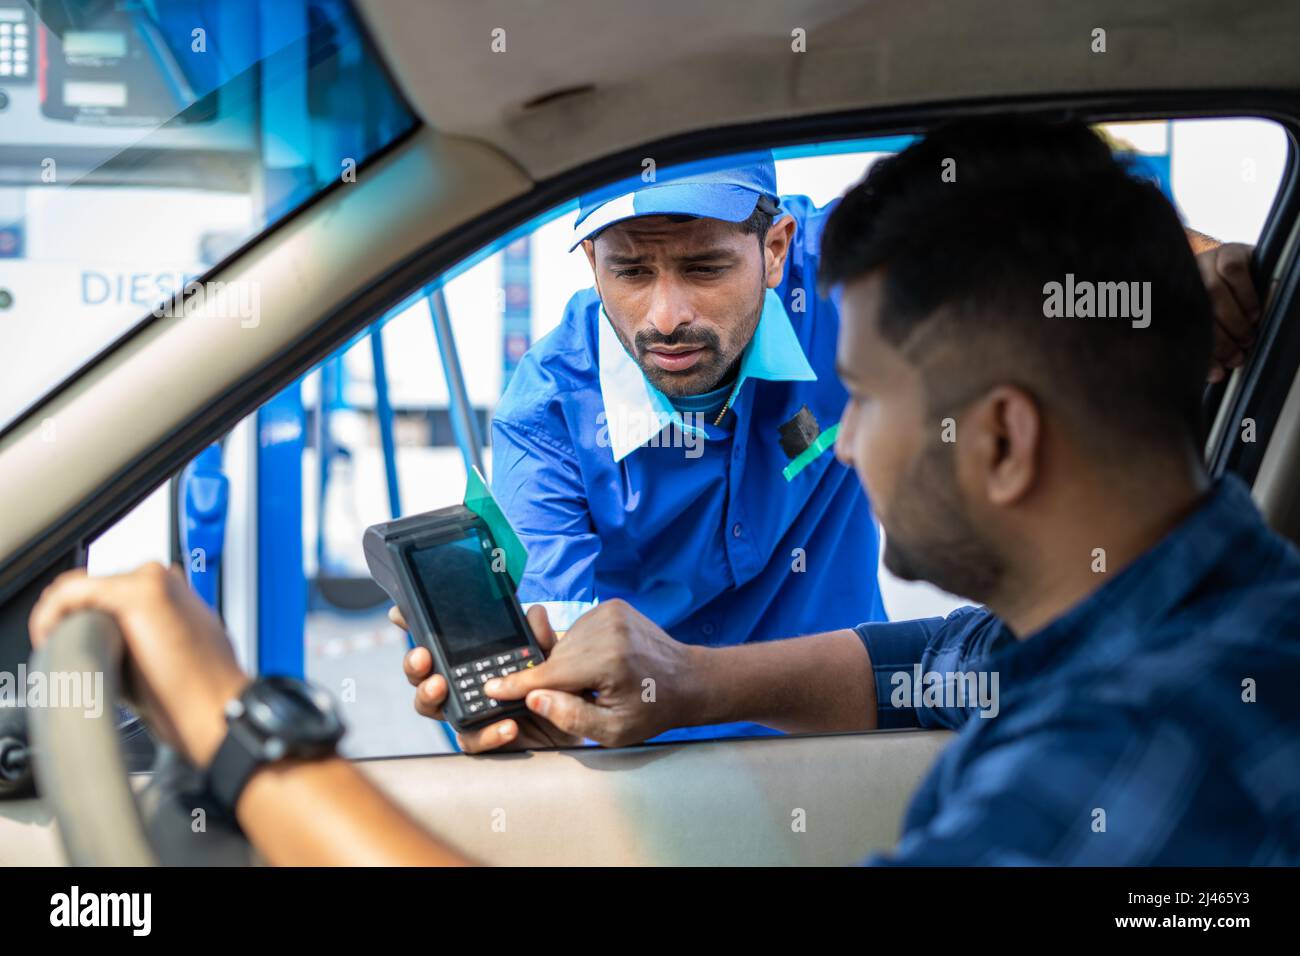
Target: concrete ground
{"type": "Point", "coordinates": [357, 657]}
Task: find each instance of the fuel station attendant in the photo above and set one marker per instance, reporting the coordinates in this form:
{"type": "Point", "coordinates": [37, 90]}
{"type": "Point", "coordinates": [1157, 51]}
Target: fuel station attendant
{"type": "Point", "coordinates": [668, 444]}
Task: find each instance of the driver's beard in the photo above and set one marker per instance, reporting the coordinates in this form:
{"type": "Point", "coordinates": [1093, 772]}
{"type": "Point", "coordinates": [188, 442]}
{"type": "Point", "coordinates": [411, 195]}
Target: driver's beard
{"type": "Point", "coordinates": [930, 537]}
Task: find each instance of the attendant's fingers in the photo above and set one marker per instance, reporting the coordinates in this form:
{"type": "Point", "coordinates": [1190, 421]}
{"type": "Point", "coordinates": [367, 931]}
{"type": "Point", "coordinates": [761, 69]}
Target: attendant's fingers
{"type": "Point", "coordinates": [417, 664]}
{"type": "Point", "coordinates": [488, 738]}
{"type": "Point", "coordinates": [430, 696]}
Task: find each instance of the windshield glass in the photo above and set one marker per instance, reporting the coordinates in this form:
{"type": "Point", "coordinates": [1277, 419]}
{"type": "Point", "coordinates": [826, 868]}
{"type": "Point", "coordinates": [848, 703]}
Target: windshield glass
{"type": "Point", "coordinates": [143, 141]}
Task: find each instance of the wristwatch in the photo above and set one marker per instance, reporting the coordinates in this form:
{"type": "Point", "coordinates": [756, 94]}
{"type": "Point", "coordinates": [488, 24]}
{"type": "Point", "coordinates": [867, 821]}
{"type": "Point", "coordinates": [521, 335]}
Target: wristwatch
{"type": "Point", "coordinates": [274, 719]}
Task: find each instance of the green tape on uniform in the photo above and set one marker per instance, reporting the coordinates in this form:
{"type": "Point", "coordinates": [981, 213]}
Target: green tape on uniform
{"type": "Point", "coordinates": [479, 500]}
{"type": "Point", "coordinates": [811, 453]}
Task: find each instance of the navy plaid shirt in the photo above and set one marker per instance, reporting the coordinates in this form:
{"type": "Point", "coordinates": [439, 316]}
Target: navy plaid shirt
{"type": "Point", "coordinates": [1156, 723]}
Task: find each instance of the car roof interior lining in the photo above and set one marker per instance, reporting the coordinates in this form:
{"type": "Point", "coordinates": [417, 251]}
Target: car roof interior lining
{"type": "Point", "coordinates": [695, 66]}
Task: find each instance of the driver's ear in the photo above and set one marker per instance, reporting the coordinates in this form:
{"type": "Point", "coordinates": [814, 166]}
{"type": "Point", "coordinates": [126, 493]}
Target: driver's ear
{"type": "Point", "coordinates": [589, 247]}
{"type": "Point", "coordinates": [999, 445]}
{"type": "Point", "coordinates": [775, 249]}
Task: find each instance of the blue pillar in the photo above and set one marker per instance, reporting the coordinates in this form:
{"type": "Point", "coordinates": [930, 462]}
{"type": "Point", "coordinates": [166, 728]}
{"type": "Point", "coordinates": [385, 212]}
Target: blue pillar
{"type": "Point", "coordinates": [205, 500]}
{"type": "Point", "coordinates": [281, 584]}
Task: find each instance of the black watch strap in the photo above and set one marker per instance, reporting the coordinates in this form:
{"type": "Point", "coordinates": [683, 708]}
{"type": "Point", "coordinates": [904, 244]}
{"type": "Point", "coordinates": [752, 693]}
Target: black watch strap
{"type": "Point", "coordinates": [272, 719]}
{"type": "Point", "coordinates": [233, 766]}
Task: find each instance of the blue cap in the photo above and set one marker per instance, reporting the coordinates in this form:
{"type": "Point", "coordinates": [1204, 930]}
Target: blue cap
{"type": "Point", "coordinates": [729, 194]}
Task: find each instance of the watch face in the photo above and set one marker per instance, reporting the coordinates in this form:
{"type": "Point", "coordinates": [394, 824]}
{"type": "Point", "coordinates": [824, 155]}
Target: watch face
{"type": "Point", "coordinates": [289, 708]}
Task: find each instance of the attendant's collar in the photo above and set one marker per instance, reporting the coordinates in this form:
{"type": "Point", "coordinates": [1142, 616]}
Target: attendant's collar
{"type": "Point", "coordinates": [636, 411]}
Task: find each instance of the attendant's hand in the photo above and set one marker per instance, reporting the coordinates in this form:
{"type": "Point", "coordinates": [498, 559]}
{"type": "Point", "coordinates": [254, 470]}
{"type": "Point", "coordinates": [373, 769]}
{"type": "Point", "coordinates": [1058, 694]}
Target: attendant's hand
{"type": "Point", "coordinates": [1225, 270]}
{"type": "Point", "coordinates": [526, 733]}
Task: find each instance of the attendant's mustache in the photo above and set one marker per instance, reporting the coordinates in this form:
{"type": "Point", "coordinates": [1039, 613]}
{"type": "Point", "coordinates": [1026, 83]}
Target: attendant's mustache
{"type": "Point", "coordinates": [647, 339]}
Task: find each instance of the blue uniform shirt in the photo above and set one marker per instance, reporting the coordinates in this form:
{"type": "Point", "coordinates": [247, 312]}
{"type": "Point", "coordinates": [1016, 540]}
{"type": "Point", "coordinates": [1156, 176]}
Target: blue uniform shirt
{"type": "Point", "coordinates": [616, 495]}
{"type": "Point", "coordinates": [1155, 724]}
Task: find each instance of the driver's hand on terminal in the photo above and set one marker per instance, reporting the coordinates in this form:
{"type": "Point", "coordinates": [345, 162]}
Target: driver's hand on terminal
{"type": "Point", "coordinates": [182, 667]}
{"type": "Point", "coordinates": [615, 678]}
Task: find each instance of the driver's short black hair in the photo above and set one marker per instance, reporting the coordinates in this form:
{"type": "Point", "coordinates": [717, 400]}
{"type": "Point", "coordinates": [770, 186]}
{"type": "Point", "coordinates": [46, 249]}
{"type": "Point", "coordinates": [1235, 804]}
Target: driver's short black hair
{"type": "Point", "coordinates": [972, 222]}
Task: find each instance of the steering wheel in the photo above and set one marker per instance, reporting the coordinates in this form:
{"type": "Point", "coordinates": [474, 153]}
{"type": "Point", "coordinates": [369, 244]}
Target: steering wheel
{"type": "Point", "coordinates": [81, 770]}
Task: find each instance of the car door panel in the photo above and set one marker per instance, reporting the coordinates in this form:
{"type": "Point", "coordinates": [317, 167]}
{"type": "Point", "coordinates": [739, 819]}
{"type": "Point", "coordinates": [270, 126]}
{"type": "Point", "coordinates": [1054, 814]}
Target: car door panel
{"type": "Point", "coordinates": [813, 800]}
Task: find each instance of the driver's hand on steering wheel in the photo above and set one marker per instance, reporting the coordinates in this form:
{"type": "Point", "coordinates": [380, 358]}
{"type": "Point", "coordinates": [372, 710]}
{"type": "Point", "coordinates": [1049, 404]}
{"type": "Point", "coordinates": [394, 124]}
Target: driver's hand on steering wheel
{"type": "Point", "coordinates": [182, 667]}
{"type": "Point", "coordinates": [528, 732]}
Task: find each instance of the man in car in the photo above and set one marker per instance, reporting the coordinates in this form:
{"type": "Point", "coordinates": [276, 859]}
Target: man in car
{"type": "Point", "coordinates": [1138, 633]}
{"type": "Point", "coordinates": [668, 444]}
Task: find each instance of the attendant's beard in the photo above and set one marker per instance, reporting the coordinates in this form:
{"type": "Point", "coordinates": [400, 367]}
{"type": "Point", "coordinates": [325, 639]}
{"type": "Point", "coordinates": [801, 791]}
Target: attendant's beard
{"type": "Point", "coordinates": [711, 371]}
